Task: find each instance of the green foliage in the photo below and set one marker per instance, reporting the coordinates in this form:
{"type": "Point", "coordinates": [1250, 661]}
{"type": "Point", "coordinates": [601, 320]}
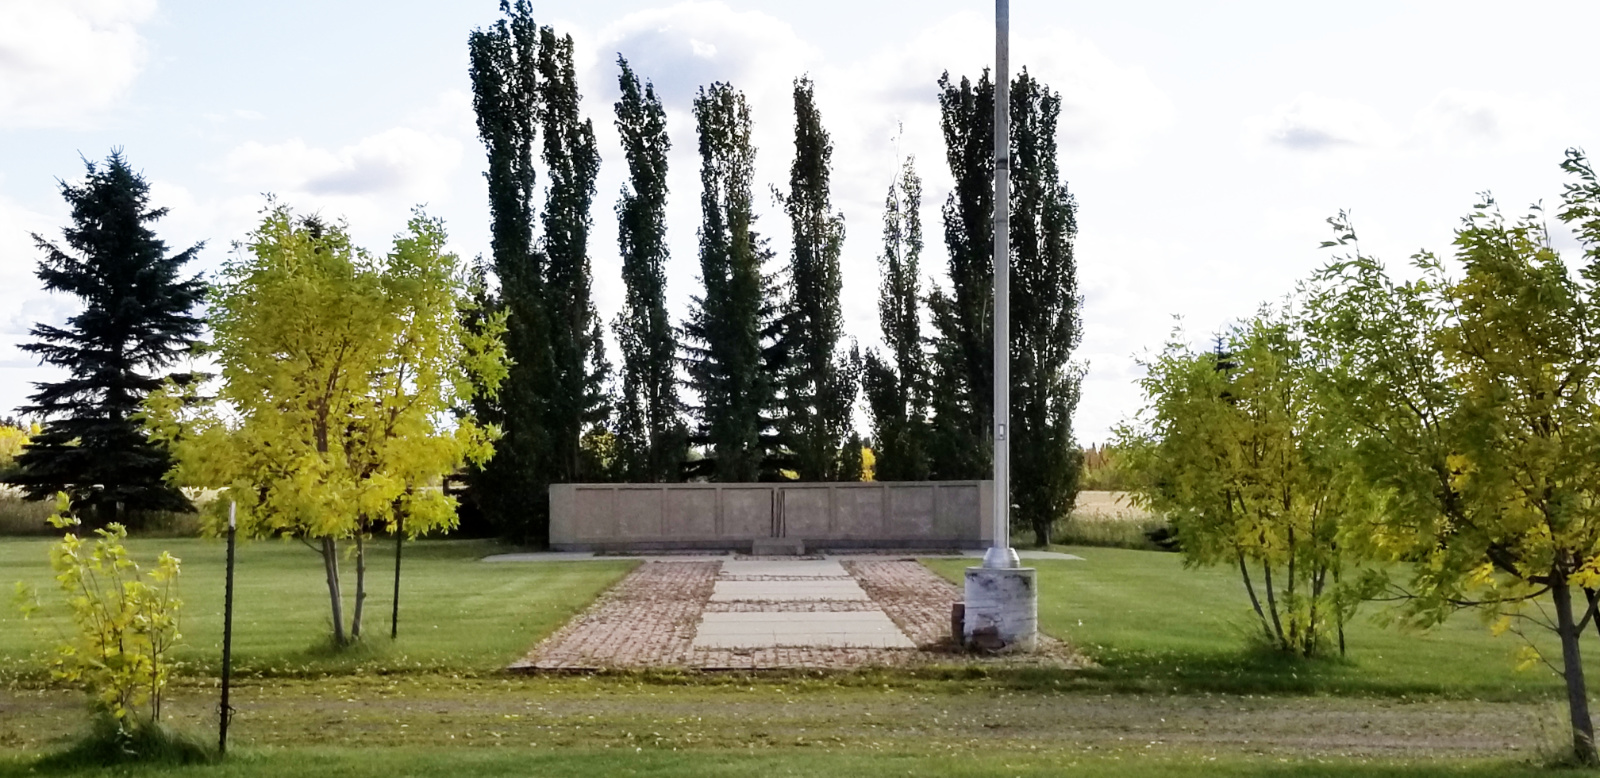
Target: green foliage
{"type": "Point", "coordinates": [136, 322]}
{"type": "Point", "coordinates": [820, 377]}
{"type": "Point", "coordinates": [1242, 451]}
{"type": "Point", "coordinates": [1046, 327]}
{"type": "Point", "coordinates": [734, 354]}
{"type": "Point", "coordinates": [338, 371]}
{"type": "Point", "coordinates": [1103, 470]}
{"type": "Point", "coordinates": [896, 385]}
{"type": "Point", "coordinates": [962, 370]}
{"type": "Point", "coordinates": [125, 623]}
{"type": "Point", "coordinates": [1477, 395]}
{"type": "Point", "coordinates": [651, 436]}
{"type": "Point", "coordinates": [524, 88]}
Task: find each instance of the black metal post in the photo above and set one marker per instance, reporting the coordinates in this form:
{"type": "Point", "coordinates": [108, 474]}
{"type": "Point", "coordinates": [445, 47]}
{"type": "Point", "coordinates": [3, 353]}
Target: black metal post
{"type": "Point", "coordinates": [399, 542]}
{"type": "Point", "coordinates": [227, 637]}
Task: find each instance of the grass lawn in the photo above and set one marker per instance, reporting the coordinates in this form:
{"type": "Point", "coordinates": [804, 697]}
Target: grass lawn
{"type": "Point", "coordinates": [1153, 625]}
{"type": "Point", "coordinates": [394, 762]}
{"type": "Point", "coordinates": [456, 614]}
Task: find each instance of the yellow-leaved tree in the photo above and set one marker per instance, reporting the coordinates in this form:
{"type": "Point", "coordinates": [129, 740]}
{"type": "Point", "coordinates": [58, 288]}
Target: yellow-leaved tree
{"type": "Point", "coordinates": [344, 383]}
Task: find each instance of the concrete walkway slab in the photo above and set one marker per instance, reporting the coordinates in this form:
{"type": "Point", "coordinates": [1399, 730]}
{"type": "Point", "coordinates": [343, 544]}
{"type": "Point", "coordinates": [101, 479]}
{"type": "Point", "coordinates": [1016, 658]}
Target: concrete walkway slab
{"type": "Point", "coordinates": [788, 591]}
{"type": "Point", "coordinates": [802, 568]}
{"type": "Point", "coordinates": [851, 629]}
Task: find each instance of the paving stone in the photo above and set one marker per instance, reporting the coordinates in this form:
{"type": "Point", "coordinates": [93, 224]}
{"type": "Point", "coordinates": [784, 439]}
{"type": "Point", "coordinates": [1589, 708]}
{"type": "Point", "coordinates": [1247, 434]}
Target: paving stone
{"type": "Point", "coordinates": [791, 590]}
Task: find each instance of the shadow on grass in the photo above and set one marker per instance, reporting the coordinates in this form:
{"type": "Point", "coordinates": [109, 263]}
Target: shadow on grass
{"type": "Point", "coordinates": [107, 746]}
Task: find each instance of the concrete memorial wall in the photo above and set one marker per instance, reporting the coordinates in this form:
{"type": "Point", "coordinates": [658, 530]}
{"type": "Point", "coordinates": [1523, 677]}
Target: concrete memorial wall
{"type": "Point", "coordinates": [742, 516]}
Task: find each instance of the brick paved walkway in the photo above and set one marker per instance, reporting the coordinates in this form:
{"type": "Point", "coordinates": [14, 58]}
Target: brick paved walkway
{"type": "Point", "coordinates": [650, 617]}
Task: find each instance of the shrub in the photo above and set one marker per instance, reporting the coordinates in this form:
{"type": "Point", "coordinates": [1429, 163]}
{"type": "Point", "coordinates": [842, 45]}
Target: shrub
{"type": "Point", "coordinates": [126, 624]}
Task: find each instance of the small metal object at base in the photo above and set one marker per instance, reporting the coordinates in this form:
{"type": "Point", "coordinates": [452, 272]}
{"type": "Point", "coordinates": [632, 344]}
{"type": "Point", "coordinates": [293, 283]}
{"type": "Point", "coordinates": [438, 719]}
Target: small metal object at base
{"type": "Point", "coordinates": [958, 616]}
{"type": "Point", "coordinates": [997, 558]}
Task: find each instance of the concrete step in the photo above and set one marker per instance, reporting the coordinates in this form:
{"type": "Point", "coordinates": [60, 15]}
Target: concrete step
{"type": "Point", "coordinates": [778, 547]}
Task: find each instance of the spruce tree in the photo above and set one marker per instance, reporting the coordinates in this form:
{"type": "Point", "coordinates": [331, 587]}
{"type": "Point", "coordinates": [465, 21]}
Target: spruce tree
{"type": "Point", "coordinates": [577, 402]}
{"type": "Point", "coordinates": [649, 427]}
{"type": "Point", "coordinates": [897, 387]}
{"type": "Point", "coordinates": [963, 318]}
{"type": "Point", "coordinates": [1045, 323]}
{"type": "Point", "coordinates": [819, 386]}
{"type": "Point", "coordinates": [733, 353]}
{"type": "Point", "coordinates": [136, 321]}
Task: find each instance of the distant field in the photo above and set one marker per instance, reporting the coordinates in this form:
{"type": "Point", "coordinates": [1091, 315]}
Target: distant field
{"type": "Point", "coordinates": [1109, 505]}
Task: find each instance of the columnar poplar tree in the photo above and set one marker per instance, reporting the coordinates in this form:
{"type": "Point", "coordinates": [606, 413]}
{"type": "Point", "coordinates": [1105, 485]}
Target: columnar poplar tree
{"type": "Point", "coordinates": [733, 354]}
{"type": "Point", "coordinates": [136, 321]}
{"type": "Point", "coordinates": [897, 389]}
{"type": "Point", "coordinates": [524, 83]}
{"type": "Point", "coordinates": [963, 317]}
{"type": "Point", "coordinates": [577, 401]}
{"type": "Point", "coordinates": [651, 432]}
{"type": "Point", "coordinates": [505, 98]}
{"type": "Point", "coordinates": [1046, 326]}
{"type": "Point", "coordinates": [819, 386]}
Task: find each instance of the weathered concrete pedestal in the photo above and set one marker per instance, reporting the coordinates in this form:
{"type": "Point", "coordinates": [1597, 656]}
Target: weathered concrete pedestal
{"type": "Point", "coordinates": [1002, 609]}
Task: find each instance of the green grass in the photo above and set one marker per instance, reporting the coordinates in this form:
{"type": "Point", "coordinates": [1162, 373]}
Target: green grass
{"type": "Point", "coordinates": [1154, 626]}
{"type": "Point", "coordinates": [818, 762]}
{"type": "Point", "coordinates": [456, 614]}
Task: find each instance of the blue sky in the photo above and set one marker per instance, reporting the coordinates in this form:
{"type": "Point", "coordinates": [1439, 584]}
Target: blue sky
{"type": "Point", "coordinates": [1206, 143]}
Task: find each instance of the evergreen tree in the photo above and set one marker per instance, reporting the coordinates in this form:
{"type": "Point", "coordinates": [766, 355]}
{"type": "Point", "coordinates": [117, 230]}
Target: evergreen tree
{"type": "Point", "coordinates": [897, 390]}
{"type": "Point", "coordinates": [577, 401]}
{"type": "Point", "coordinates": [819, 386]}
{"type": "Point", "coordinates": [963, 366]}
{"type": "Point", "coordinates": [1045, 323]}
{"type": "Point", "coordinates": [136, 321]}
{"type": "Point", "coordinates": [651, 432]}
{"type": "Point", "coordinates": [733, 350]}
{"type": "Point", "coordinates": [504, 75]}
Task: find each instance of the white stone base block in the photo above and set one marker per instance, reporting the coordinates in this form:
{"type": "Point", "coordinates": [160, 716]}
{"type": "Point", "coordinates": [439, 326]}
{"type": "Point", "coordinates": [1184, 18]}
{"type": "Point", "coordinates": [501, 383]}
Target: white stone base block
{"type": "Point", "coordinates": [1002, 609]}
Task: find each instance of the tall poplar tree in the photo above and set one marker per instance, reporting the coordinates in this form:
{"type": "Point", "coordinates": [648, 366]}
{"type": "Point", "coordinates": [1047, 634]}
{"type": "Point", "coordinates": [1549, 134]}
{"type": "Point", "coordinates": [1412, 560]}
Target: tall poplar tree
{"type": "Point", "coordinates": [732, 347]}
{"type": "Point", "coordinates": [819, 386]}
{"type": "Point", "coordinates": [963, 316]}
{"type": "Point", "coordinates": [577, 401]}
{"type": "Point", "coordinates": [1045, 323]}
{"type": "Point", "coordinates": [505, 97]}
{"type": "Point", "coordinates": [649, 425]}
{"type": "Point", "coordinates": [136, 322]}
{"type": "Point", "coordinates": [896, 384]}
{"type": "Point", "coordinates": [524, 89]}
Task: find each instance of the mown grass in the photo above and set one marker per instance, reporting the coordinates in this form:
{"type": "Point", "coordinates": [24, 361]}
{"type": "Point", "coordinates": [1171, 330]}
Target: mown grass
{"type": "Point", "coordinates": [456, 614]}
{"type": "Point", "coordinates": [1153, 625]}
{"type": "Point", "coordinates": [663, 763]}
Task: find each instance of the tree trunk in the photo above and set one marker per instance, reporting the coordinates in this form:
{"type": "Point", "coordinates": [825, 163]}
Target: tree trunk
{"type": "Point", "coordinates": [361, 587]}
{"type": "Point", "coordinates": [399, 543]}
{"type": "Point", "coordinates": [1272, 605]}
{"type": "Point", "coordinates": [330, 564]}
{"type": "Point", "coordinates": [1583, 748]}
{"type": "Point", "coordinates": [1255, 602]}
{"type": "Point", "coordinates": [1041, 534]}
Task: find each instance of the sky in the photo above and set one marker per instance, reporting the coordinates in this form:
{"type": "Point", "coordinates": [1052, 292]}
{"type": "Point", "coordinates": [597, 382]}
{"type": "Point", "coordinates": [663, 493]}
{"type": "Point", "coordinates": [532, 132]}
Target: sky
{"type": "Point", "coordinates": [1205, 143]}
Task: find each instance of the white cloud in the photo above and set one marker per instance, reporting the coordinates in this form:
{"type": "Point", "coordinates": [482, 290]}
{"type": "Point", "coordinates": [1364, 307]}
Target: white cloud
{"type": "Point", "coordinates": [1463, 120]}
{"type": "Point", "coordinates": [61, 61]}
{"type": "Point", "coordinates": [398, 161]}
{"type": "Point", "coordinates": [1314, 123]}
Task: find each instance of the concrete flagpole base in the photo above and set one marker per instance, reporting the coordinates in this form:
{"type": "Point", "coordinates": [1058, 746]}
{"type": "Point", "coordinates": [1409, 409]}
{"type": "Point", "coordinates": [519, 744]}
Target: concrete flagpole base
{"type": "Point", "coordinates": [1002, 609]}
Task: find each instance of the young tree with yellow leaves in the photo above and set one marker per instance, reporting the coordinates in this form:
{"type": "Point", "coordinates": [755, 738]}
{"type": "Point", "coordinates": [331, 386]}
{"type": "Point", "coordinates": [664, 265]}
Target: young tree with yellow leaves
{"type": "Point", "coordinates": [340, 373]}
{"type": "Point", "coordinates": [1237, 449]}
{"type": "Point", "coordinates": [1478, 398]}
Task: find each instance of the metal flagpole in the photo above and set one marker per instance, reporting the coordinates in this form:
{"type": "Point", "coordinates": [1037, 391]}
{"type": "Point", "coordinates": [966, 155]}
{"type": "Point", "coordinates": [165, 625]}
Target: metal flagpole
{"type": "Point", "coordinates": [1000, 553]}
{"type": "Point", "coordinates": [1001, 608]}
